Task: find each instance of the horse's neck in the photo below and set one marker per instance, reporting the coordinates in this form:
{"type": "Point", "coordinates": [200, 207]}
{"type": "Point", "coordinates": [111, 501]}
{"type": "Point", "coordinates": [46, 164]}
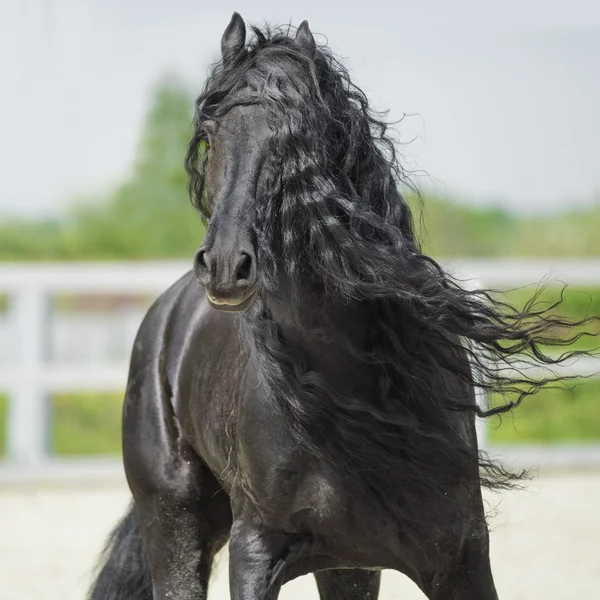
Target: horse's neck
{"type": "Point", "coordinates": [329, 336]}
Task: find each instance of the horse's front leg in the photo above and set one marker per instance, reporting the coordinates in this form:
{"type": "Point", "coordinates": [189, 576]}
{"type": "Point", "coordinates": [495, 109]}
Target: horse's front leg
{"type": "Point", "coordinates": [257, 560]}
{"type": "Point", "coordinates": [183, 521]}
{"type": "Point", "coordinates": [184, 513]}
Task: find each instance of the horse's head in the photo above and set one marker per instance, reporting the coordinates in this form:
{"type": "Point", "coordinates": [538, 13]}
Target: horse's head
{"type": "Point", "coordinates": [232, 144]}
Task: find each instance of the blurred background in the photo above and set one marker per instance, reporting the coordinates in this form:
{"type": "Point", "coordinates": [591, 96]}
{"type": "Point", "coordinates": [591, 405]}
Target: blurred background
{"type": "Point", "coordinates": [497, 121]}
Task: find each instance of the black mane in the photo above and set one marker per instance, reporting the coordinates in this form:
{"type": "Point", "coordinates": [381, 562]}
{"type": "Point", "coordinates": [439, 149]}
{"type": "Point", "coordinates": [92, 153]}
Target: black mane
{"type": "Point", "coordinates": [331, 218]}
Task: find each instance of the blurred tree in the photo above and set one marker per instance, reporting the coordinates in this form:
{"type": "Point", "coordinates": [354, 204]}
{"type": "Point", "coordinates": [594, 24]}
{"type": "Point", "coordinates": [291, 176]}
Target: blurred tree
{"type": "Point", "coordinates": [149, 215]}
{"type": "Point", "coordinates": [30, 240]}
{"type": "Point", "coordinates": [450, 229]}
{"type": "Point", "coordinates": [570, 233]}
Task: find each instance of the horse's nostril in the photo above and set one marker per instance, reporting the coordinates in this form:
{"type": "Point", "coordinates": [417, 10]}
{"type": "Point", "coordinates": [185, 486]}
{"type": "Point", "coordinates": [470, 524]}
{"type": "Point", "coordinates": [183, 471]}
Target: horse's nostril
{"type": "Point", "coordinates": [201, 259]}
{"type": "Point", "coordinates": [202, 266]}
{"type": "Point", "coordinates": [244, 267]}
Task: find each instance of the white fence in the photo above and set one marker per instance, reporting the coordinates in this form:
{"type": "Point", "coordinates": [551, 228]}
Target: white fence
{"type": "Point", "coordinates": [30, 288]}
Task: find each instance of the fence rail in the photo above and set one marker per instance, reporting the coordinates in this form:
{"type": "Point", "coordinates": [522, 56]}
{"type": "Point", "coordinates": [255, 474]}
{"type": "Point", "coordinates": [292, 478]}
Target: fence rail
{"type": "Point", "coordinates": [30, 288]}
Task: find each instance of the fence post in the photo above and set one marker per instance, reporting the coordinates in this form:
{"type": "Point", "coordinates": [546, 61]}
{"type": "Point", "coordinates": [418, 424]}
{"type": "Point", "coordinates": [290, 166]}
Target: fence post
{"type": "Point", "coordinates": [28, 409]}
{"type": "Point", "coordinates": [480, 394]}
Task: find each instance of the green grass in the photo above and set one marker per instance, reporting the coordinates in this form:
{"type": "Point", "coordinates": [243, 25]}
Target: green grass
{"type": "Point", "coordinates": [552, 416]}
{"type": "Point", "coordinates": [86, 424]}
{"type": "Point", "coordinates": [82, 424]}
{"type": "Point", "coordinates": [90, 424]}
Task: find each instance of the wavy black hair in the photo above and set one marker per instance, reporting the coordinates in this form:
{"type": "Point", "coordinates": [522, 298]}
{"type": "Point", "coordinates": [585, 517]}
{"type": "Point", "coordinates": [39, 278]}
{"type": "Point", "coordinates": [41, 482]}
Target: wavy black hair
{"type": "Point", "coordinates": [332, 220]}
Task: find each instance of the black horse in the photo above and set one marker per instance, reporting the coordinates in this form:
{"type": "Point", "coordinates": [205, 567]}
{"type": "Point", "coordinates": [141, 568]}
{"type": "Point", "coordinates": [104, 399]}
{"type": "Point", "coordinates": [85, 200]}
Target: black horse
{"type": "Point", "coordinates": [313, 402]}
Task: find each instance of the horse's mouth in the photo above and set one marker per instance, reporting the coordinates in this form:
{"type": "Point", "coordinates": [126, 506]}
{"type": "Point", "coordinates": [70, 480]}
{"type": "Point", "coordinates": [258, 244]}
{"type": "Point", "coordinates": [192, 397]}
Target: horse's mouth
{"type": "Point", "coordinates": [230, 305]}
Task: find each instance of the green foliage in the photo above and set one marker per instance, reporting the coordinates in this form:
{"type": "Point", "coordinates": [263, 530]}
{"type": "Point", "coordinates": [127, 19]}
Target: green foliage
{"type": "Point", "coordinates": [148, 216]}
{"type": "Point", "coordinates": [86, 423]}
{"type": "Point", "coordinates": [450, 229]}
{"type": "Point", "coordinates": [568, 234]}
{"type": "Point", "coordinates": [30, 240]}
{"type": "Point", "coordinates": [552, 416]}
{"type": "Point", "coordinates": [81, 424]}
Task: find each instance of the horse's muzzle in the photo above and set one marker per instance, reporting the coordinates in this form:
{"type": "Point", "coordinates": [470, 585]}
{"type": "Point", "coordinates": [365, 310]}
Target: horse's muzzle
{"type": "Point", "coordinates": [228, 277]}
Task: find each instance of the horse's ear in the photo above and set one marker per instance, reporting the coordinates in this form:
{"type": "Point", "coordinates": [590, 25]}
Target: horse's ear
{"type": "Point", "coordinates": [305, 39]}
{"type": "Point", "coordinates": [234, 38]}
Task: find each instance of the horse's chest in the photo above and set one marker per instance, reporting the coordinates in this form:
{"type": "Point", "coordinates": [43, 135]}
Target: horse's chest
{"type": "Point", "coordinates": [299, 497]}
{"type": "Point", "coordinates": [314, 505]}
{"type": "Point", "coordinates": [290, 491]}
{"type": "Point", "coordinates": [282, 481]}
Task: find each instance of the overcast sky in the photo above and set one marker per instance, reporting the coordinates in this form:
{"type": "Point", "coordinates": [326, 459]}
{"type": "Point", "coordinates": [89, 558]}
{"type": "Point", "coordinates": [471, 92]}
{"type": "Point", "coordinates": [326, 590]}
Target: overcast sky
{"type": "Point", "coordinates": [503, 106]}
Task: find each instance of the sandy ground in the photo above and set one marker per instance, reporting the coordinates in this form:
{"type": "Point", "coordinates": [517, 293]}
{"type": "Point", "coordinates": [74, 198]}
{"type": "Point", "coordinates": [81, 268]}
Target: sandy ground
{"type": "Point", "coordinates": [544, 543]}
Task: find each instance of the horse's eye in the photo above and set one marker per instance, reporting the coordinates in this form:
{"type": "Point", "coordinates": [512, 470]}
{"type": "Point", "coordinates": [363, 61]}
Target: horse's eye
{"type": "Point", "coordinates": [205, 140]}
